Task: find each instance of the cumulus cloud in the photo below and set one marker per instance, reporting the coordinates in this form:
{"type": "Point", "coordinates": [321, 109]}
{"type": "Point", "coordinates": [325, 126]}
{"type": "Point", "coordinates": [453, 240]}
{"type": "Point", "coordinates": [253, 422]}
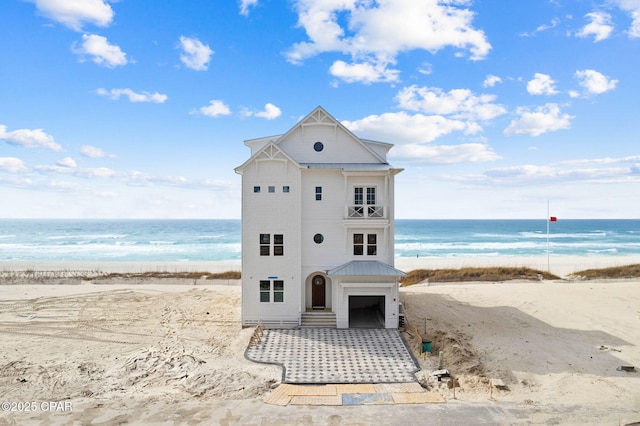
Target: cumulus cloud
{"type": "Point", "coordinates": [364, 72]}
{"type": "Point", "coordinates": [546, 118]}
{"type": "Point", "coordinates": [244, 6]}
{"type": "Point", "coordinates": [368, 32]}
{"type": "Point", "coordinates": [401, 127]}
{"type": "Point", "coordinates": [67, 162]}
{"type": "Point", "coordinates": [270, 112]}
{"type": "Point", "coordinates": [12, 165]}
{"type": "Point", "coordinates": [633, 8]}
{"type": "Point", "coordinates": [215, 108]}
{"type": "Point", "coordinates": [115, 94]}
{"type": "Point", "coordinates": [195, 54]}
{"type": "Point", "coordinates": [101, 52]}
{"type": "Point", "coordinates": [594, 82]}
{"type": "Point", "coordinates": [29, 138]}
{"type": "Point", "coordinates": [491, 81]}
{"type": "Point", "coordinates": [74, 14]}
{"type": "Point", "coordinates": [459, 103]}
{"type": "Point", "coordinates": [94, 152]}
{"type": "Point", "coordinates": [541, 84]}
{"type": "Point", "coordinates": [600, 26]}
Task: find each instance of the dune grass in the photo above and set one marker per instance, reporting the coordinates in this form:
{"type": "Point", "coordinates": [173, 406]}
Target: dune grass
{"type": "Point", "coordinates": [475, 274]}
{"type": "Point", "coordinates": [626, 271]}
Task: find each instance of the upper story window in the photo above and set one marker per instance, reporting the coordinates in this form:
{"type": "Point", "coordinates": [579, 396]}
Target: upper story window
{"type": "Point", "coordinates": [365, 243]}
{"type": "Point", "coordinates": [359, 195]}
{"type": "Point", "coordinates": [286, 189]}
{"type": "Point", "coordinates": [256, 189]}
{"type": "Point", "coordinates": [265, 244]}
{"type": "Point", "coordinates": [318, 146]}
{"type": "Point", "coordinates": [272, 188]}
{"type": "Point", "coordinates": [318, 193]}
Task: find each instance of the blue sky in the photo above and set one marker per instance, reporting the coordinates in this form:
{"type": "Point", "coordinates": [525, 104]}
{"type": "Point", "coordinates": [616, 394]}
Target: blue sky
{"type": "Point", "coordinates": [139, 109]}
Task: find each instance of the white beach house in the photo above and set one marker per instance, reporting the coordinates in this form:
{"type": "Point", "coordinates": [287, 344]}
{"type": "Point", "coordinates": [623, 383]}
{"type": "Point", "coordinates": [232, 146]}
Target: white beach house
{"type": "Point", "coordinates": [318, 227]}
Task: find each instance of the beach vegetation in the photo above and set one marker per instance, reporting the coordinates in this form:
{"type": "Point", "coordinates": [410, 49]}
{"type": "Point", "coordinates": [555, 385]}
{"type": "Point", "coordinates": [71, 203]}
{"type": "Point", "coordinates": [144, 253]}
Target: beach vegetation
{"type": "Point", "coordinates": [475, 274]}
{"type": "Point", "coordinates": [614, 272]}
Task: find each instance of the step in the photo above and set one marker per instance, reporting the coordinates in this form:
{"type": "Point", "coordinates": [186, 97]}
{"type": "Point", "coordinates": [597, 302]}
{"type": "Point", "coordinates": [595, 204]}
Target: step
{"type": "Point", "coordinates": [318, 319]}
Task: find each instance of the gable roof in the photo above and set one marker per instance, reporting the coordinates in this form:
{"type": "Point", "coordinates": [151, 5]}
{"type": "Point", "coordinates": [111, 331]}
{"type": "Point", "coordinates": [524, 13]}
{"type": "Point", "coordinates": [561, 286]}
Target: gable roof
{"type": "Point", "coordinates": [269, 151]}
{"type": "Point", "coordinates": [366, 268]}
{"type": "Point", "coordinates": [319, 116]}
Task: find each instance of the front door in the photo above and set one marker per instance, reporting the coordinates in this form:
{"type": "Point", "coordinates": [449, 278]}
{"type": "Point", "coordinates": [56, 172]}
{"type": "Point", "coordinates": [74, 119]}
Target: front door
{"type": "Point", "coordinates": [318, 292]}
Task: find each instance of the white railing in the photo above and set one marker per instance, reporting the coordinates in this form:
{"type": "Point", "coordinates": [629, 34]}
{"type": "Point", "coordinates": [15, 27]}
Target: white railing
{"type": "Point", "coordinates": [365, 211]}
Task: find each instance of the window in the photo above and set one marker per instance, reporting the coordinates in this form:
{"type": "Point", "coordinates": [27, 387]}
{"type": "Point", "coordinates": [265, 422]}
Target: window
{"type": "Point", "coordinates": [265, 242]}
{"type": "Point", "coordinates": [272, 189]}
{"type": "Point", "coordinates": [256, 189]}
{"type": "Point", "coordinates": [278, 244]}
{"type": "Point", "coordinates": [265, 291]}
{"type": "Point", "coordinates": [285, 189]}
{"type": "Point", "coordinates": [318, 238]}
{"type": "Point", "coordinates": [318, 193]}
{"type": "Point", "coordinates": [358, 195]}
{"type": "Point", "coordinates": [278, 291]}
{"type": "Point", "coordinates": [318, 146]}
{"type": "Point", "coordinates": [372, 246]}
{"type": "Point", "coordinates": [359, 244]}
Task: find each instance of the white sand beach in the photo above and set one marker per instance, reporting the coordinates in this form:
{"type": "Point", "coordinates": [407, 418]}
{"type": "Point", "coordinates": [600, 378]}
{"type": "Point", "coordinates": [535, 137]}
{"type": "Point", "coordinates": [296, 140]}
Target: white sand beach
{"type": "Point", "coordinates": [173, 352]}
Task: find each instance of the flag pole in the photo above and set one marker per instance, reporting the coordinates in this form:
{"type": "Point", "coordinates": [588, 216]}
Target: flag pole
{"type": "Point", "coordinates": [548, 220]}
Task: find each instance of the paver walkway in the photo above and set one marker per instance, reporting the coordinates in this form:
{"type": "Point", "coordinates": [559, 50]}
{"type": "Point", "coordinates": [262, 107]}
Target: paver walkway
{"type": "Point", "coordinates": [325, 355]}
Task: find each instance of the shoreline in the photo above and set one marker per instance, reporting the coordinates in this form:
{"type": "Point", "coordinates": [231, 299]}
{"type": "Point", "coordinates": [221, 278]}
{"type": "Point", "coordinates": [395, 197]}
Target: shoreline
{"type": "Point", "coordinates": [561, 266]}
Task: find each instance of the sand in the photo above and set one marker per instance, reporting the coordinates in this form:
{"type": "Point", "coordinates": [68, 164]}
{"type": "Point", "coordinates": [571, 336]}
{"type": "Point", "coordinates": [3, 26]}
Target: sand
{"type": "Point", "coordinates": [172, 353]}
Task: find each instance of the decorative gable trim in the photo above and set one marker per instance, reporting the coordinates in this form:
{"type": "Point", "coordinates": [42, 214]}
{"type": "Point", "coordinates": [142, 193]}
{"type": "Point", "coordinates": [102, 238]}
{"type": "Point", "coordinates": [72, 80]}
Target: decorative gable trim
{"type": "Point", "coordinates": [269, 152]}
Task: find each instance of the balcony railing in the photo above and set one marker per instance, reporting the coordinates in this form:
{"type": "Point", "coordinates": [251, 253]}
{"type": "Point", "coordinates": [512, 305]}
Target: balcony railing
{"type": "Point", "coordinates": [365, 212]}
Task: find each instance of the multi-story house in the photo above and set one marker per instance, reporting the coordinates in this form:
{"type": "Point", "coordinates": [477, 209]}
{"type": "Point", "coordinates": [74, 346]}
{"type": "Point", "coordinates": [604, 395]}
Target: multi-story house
{"type": "Point", "coordinates": [318, 227]}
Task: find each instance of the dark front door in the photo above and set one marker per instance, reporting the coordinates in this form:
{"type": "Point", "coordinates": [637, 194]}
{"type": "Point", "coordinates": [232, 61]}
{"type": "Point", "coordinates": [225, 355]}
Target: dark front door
{"type": "Point", "coordinates": [318, 292]}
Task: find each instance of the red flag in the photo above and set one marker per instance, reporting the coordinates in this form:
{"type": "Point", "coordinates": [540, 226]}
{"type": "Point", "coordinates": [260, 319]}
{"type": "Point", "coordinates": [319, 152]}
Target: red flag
{"type": "Point", "coordinates": [553, 219]}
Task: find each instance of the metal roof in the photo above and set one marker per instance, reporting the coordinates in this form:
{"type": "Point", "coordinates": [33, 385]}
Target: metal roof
{"type": "Point", "coordinates": [366, 268]}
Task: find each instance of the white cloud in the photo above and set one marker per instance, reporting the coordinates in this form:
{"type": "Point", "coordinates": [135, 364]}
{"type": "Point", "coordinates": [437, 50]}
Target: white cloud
{"type": "Point", "coordinates": [459, 103]}
{"type": "Point", "coordinates": [195, 54]}
{"type": "Point", "coordinates": [75, 13]}
{"type": "Point", "coordinates": [67, 162]}
{"type": "Point", "coordinates": [364, 72]}
{"type": "Point", "coordinates": [633, 7]}
{"type": "Point", "coordinates": [12, 165]}
{"type": "Point", "coordinates": [369, 32]}
{"type": "Point", "coordinates": [94, 152]}
{"type": "Point", "coordinates": [215, 108]}
{"type": "Point", "coordinates": [600, 26]}
{"type": "Point", "coordinates": [541, 84]}
{"type": "Point", "coordinates": [544, 27]}
{"type": "Point", "coordinates": [401, 127]}
{"type": "Point", "coordinates": [244, 6]}
{"type": "Point", "coordinates": [491, 81]}
{"type": "Point", "coordinates": [102, 53]}
{"type": "Point", "coordinates": [543, 119]}
{"type": "Point", "coordinates": [28, 138]}
{"type": "Point", "coordinates": [270, 112]}
{"type": "Point", "coordinates": [594, 82]}
{"type": "Point", "coordinates": [115, 94]}
{"type": "Point", "coordinates": [444, 154]}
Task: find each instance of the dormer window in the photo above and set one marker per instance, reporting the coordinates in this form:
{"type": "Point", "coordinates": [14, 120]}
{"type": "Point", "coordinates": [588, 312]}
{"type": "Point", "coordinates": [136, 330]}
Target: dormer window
{"type": "Point", "coordinates": [318, 146]}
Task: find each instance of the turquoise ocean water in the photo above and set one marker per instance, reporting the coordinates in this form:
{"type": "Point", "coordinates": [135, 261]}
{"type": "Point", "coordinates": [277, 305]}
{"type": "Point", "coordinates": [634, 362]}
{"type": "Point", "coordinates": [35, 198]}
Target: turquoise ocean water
{"type": "Point", "coordinates": [219, 240]}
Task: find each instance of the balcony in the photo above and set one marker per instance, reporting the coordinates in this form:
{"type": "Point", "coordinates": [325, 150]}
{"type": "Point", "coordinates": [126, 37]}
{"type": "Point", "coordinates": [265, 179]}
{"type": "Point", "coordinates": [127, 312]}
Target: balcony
{"type": "Point", "coordinates": [368, 211]}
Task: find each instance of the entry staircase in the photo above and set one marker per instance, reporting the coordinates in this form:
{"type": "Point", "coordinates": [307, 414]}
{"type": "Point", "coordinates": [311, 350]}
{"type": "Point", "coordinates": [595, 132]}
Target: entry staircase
{"type": "Point", "coordinates": [323, 319]}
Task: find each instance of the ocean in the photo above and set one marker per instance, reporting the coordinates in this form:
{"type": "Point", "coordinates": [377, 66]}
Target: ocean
{"type": "Point", "coordinates": [219, 240]}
